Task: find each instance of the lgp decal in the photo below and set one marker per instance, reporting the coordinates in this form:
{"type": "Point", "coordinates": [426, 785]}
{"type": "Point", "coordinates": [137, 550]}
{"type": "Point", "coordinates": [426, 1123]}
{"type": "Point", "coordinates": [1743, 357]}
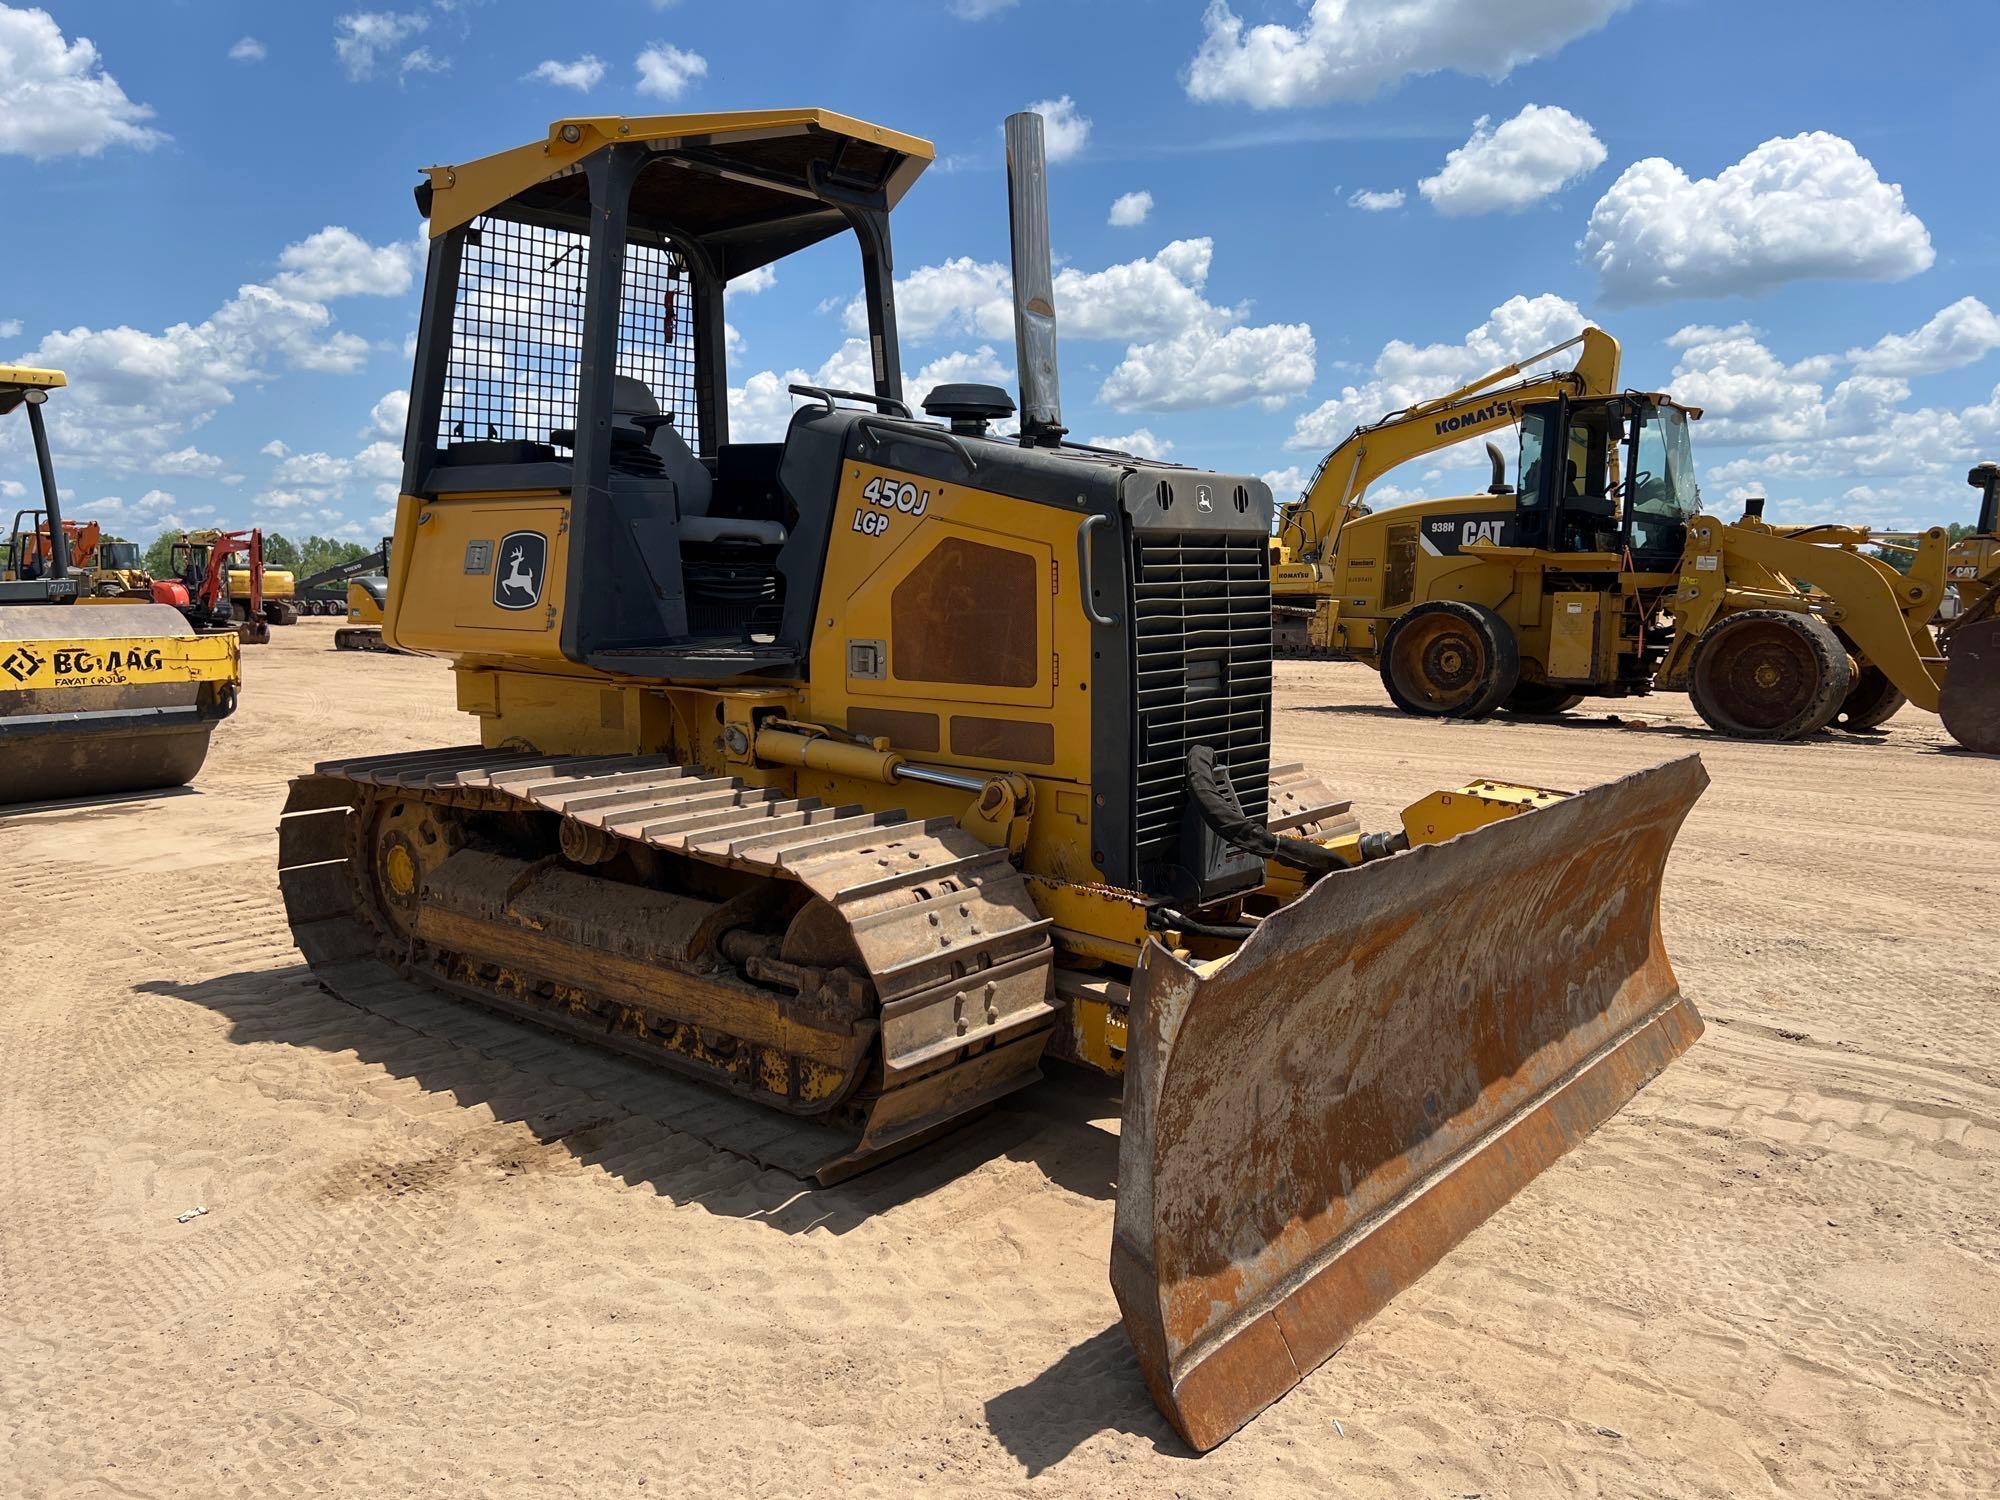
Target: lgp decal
{"type": "Point", "coordinates": [524, 562]}
{"type": "Point", "coordinates": [893, 499]}
{"type": "Point", "coordinates": [1446, 536]}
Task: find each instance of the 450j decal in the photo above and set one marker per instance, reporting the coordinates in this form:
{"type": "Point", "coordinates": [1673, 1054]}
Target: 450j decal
{"type": "Point", "coordinates": [892, 497]}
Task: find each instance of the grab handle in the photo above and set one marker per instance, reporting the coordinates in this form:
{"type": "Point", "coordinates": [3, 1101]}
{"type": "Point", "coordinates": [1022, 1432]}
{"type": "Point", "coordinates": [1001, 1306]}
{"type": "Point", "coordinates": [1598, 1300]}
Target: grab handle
{"type": "Point", "coordinates": [884, 429]}
{"type": "Point", "coordinates": [1090, 524]}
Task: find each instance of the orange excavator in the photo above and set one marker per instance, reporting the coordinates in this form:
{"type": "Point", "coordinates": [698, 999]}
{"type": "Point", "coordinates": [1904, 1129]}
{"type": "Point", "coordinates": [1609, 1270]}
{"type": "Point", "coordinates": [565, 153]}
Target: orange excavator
{"type": "Point", "coordinates": [202, 563]}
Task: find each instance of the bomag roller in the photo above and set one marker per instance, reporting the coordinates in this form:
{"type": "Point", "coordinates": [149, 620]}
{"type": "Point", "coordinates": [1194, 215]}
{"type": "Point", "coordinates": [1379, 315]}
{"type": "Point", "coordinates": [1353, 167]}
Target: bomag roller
{"type": "Point", "coordinates": [92, 701]}
{"type": "Point", "coordinates": [858, 773]}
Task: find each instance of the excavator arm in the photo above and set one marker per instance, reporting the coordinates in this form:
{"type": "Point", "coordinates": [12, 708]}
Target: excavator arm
{"type": "Point", "coordinates": [1309, 527]}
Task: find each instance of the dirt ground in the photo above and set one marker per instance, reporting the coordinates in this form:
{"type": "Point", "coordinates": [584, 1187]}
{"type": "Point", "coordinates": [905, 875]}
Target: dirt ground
{"type": "Point", "coordinates": [460, 1258]}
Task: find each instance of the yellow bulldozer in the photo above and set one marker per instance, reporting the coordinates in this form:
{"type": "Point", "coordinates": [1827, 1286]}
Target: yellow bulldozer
{"type": "Point", "coordinates": [92, 701]}
{"type": "Point", "coordinates": [858, 773]}
{"type": "Point", "coordinates": [1599, 576]}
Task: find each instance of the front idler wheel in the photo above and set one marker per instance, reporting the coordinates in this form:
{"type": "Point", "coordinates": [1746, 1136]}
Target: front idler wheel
{"type": "Point", "coordinates": [1450, 660]}
{"type": "Point", "coordinates": [1770, 674]}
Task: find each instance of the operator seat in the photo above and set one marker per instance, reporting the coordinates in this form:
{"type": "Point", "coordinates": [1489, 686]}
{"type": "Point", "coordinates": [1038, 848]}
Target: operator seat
{"type": "Point", "coordinates": [636, 418]}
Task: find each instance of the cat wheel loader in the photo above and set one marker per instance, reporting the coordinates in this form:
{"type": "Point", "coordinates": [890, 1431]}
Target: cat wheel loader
{"type": "Point", "coordinates": [92, 701]}
{"type": "Point", "coordinates": [1601, 577]}
{"type": "Point", "coordinates": [857, 774]}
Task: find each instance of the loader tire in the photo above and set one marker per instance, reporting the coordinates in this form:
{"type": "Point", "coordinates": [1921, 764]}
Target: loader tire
{"type": "Point", "coordinates": [1769, 674]}
{"type": "Point", "coordinates": [1540, 700]}
{"type": "Point", "coordinates": [1450, 660]}
{"type": "Point", "coordinates": [1870, 703]}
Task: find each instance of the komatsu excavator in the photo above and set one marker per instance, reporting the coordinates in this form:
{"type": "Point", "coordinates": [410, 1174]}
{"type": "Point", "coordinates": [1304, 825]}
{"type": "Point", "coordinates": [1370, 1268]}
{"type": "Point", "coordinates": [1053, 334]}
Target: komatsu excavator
{"type": "Point", "coordinates": [857, 773]}
{"type": "Point", "coordinates": [92, 701]}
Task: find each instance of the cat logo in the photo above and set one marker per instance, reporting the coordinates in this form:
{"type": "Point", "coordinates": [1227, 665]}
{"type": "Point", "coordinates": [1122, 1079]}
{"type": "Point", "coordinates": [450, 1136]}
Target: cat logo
{"type": "Point", "coordinates": [1446, 536]}
{"type": "Point", "coordinates": [517, 580]}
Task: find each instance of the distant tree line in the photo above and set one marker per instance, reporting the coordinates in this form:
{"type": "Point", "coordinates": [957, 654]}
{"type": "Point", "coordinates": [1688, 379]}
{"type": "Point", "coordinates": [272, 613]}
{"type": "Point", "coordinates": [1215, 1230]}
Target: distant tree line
{"type": "Point", "coordinates": [314, 555]}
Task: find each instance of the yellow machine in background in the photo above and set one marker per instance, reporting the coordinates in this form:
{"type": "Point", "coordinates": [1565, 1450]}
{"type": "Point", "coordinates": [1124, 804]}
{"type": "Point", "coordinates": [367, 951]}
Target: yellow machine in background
{"type": "Point", "coordinates": [1305, 582]}
{"type": "Point", "coordinates": [858, 773]}
{"type": "Point", "coordinates": [1600, 577]}
{"type": "Point", "coordinates": [92, 700]}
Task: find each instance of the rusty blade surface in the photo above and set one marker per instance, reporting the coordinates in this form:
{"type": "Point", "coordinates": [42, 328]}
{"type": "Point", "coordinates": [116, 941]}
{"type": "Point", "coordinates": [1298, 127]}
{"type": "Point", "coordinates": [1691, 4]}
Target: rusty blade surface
{"type": "Point", "coordinates": [1970, 701]}
{"type": "Point", "coordinates": [1313, 1123]}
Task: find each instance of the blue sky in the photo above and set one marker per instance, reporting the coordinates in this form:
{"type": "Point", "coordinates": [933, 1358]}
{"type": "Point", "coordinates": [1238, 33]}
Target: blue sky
{"type": "Point", "coordinates": [1783, 210]}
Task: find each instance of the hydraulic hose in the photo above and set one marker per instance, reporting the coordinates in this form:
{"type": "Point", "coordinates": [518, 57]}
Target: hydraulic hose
{"type": "Point", "coordinates": [1215, 800]}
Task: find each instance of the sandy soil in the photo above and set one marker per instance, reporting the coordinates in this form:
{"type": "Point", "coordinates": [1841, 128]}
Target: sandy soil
{"type": "Point", "coordinates": [451, 1260]}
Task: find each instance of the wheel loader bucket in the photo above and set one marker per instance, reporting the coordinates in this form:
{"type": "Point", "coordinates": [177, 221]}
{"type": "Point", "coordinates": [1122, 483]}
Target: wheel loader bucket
{"type": "Point", "coordinates": [94, 701]}
{"type": "Point", "coordinates": [1313, 1122]}
{"type": "Point", "coordinates": [1969, 703]}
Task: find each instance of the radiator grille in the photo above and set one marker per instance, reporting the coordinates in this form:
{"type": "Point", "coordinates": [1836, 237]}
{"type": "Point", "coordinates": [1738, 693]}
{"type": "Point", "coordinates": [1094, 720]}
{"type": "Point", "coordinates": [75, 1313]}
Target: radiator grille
{"type": "Point", "coordinates": [1202, 641]}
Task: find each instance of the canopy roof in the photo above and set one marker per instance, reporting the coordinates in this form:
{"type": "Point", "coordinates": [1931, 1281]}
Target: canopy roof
{"type": "Point", "coordinates": [746, 184]}
{"type": "Point", "coordinates": [15, 379]}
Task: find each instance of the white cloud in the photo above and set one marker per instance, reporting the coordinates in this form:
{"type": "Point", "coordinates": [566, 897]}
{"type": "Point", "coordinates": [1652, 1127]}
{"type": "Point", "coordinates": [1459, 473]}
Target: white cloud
{"type": "Point", "coordinates": [665, 72]}
{"type": "Point", "coordinates": [10, 328]}
{"type": "Point", "coordinates": [1064, 132]}
{"type": "Point", "coordinates": [760, 408]}
{"type": "Point", "coordinates": [1287, 484]}
{"type": "Point", "coordinates": [1958, 335]}
{"type": "Point", "coordinates": [136, 395]}
{"type": "Point", "coordinates": [1140, 441]}
{"type": "Point", "coordinates": [1514, 164]}
{"type": "Point", "coordinates": [55, 97]}
{"type": "Point", "coordinates": [192, 463]}
{"type": "Point", "coordinates": [1372, 202]}
{"type": "Point", "coordinates": [1405, 373]}
{"type": "Point", "coordinates": [979, 10]}
{"type": "Point", "coordinates": [336, 262]}
{"type": "Point", "coordinates": [750, 283]}
{"type": "Point", "coordinates": [361, 38]}
{"type": "Point", "coordinates": [1203, 366]}
{"type": "Point", "coordinates": [1800, 429]}
{"type": "Point", "coordinates": [1129, 210]}
{"type": "Point", "coordinates": [1353, 49]}
{"type": "Point", "coordinates": [1747, 392]}
{"type": "Point", "coordinates": [422, 60]}
{"type": "Point", "coordinates": [275, 448]}
{"type": "Point", "coordinates": [583, 75]}
{"type": "Point", "coordinates": [248, 50]}
{"type": "Point", "coordinates": [1798, 207]}
{"type": "Point", "coordinates": [388, 417]}
{"type": "Point", "coordinates": [1184, 351]}
{"type": "Point", "coordinates": [1144, 298]}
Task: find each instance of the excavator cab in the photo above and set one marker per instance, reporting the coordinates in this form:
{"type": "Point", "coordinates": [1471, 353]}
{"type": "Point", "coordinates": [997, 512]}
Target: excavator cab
{"type": "Point", "coordinates": [1608, 475]}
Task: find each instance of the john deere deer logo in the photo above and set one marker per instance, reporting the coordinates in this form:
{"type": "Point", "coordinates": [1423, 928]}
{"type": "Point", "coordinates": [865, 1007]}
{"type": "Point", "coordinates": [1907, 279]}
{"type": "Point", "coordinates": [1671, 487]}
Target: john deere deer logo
{"type": "Point", "coordinates": [517, 581]}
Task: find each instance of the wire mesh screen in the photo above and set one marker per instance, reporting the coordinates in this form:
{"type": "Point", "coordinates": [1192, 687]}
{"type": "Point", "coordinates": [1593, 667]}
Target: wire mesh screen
{"type": "Point", "coordinates": [656, 333]}
{"type": "Point", "coordinates": [517, 333]}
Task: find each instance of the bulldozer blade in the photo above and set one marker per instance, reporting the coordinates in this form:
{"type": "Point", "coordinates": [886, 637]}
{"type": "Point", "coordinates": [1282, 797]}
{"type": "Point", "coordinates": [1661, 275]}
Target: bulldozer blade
{"type": "Point", "coordinates": [1970, 701]}
{"type": "Point", "coordinates": [1315, 1121]}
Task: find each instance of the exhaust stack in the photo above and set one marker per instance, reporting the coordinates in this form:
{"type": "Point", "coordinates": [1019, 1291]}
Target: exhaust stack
{"type": "Point", "coordinates": [1034, 282]}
